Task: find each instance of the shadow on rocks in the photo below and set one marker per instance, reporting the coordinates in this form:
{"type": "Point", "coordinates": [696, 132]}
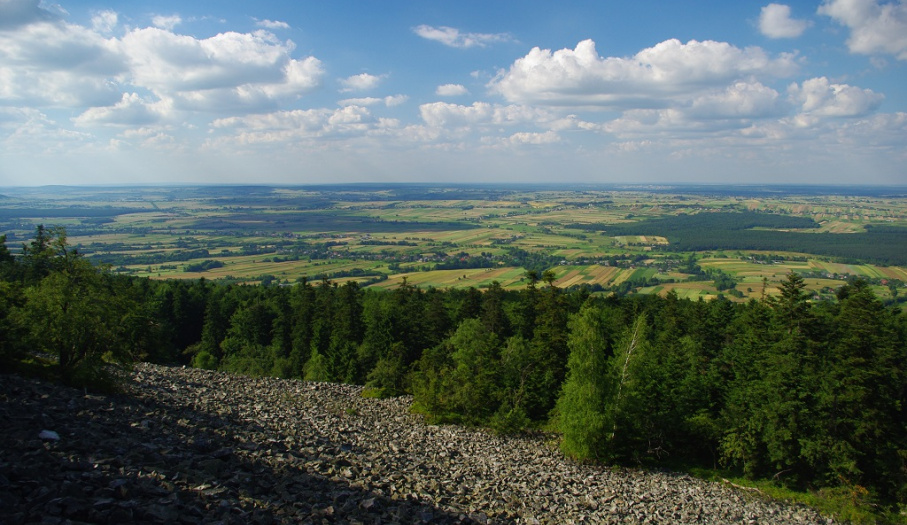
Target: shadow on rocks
{"type": "Point", "coordinates": [154, 458]}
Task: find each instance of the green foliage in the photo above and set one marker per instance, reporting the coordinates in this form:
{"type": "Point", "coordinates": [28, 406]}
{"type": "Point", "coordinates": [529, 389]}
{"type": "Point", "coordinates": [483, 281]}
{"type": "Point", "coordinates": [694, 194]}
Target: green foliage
{"type": "Point", "coordinates": [582, 414]}
{"type": "Point", "coordinates": [204, 360]}
{"type": "Point", "coordinates": [74, 311]}
{"type": "Point", "coordinates": [808, 395]}
{"type": "Point", "coordinates": [39, 256]}
{"type": "Point", "coordinates": [821, 403]}
{"type": "Point", "coordinates": [316, 368]}
{"type": "Point", "coordinates": [204, 266]}
{"type": "Point", "coordinates": [459, 379]}
{"type": "Point", "coordinates": [509, 419]}
{"type": "Point", "coordinates": [8, 267]}
{"type": "Point", "coordinates": [388, 376]}
{"type": "Point", "coordinates": [548, 351]}
{"type": "Point", "coordinates": [516, 369]}
{"type": "Point", "coordinates": [627, 410]}
{"type": "Point", "coordinates": [736, 231]}
{"type": "Point", "coordinates": [861, 377]}
{"type": "Point", "coordinates": [10, 338]}
{"type": "Point", "coordinates": [474, 372]}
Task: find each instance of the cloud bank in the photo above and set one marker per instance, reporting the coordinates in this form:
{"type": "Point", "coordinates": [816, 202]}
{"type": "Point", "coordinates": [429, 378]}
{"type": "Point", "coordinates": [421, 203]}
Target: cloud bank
{"type": "Point", "coordinates": [112, 89]}
{"type": "Point", "coordinates": [653, 77]}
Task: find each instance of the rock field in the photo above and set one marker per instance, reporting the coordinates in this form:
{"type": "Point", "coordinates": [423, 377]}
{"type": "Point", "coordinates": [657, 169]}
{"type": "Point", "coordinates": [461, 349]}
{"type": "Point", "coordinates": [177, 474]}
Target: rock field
{"type": "Point", "coordinates": [192, 446]}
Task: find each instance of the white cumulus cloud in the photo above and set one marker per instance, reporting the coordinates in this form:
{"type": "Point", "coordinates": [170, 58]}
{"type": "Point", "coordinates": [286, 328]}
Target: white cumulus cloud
{"type": "Point", "coordinates": [131, 110]}
{"type": "Point", "coordinates": [523, 137]}
{"type": "Point", "coordinates": [740, 100]}
{"type": "Point", "coordinates": [452, 37]}
{"type": "Point", "coordinates": [290, 126]}
{"type": "Point", "coordinates": [228, 71]}
{"type": "Point", "coordinates": [775, 22]}
{"type": "Point", "coordinates": [360, 82]}
{"type": "Point", "coordinates": [451, 90]}
{"type": "Point", "coordinates": [389, 101]}
{"type": "Point", "coordinates": [874, 27]}
{"type": "Point", "coordinates": [671, 123]}
{"type": "Point", "coordinates": [580, 77]}
{"type": "Point", "coordinates": [818, 97]}
{"type": "Point", "coordinates": [272, 24]}
{"type": "Point", "coordinates": [443, 114]}
{"type": "Point", "coordinates": [167, 22]}
{"type": "Point", "coordinates": [104, 21]}
{"type": "Point", "coordinates": [45, 61]}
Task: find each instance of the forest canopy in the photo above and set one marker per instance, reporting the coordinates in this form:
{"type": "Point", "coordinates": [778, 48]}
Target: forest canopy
{"type": "Point", "coordinates": [764, 231]}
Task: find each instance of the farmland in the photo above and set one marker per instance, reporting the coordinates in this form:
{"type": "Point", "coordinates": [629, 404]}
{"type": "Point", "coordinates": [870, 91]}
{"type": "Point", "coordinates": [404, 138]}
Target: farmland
{"type": "Point", "coordinates": [699, 242]}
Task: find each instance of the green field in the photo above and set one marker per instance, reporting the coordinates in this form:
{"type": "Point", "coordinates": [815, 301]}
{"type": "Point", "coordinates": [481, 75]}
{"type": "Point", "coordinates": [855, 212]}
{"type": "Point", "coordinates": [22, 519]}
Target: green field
{"type": "Point", "coordinates": [379, 236]}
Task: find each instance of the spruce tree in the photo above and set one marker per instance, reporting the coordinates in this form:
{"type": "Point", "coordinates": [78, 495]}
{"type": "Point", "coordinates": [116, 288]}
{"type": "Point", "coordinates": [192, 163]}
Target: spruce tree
{"type": "Point", "coordinates": [582, 406]}
{"type": "Point", "coordinates": [74, 313]}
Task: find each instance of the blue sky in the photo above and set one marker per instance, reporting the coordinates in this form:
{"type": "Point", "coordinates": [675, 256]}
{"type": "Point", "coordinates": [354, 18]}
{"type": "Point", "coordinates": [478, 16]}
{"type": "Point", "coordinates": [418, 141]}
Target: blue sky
{"type": "Point", "coordinates": [302, 92]}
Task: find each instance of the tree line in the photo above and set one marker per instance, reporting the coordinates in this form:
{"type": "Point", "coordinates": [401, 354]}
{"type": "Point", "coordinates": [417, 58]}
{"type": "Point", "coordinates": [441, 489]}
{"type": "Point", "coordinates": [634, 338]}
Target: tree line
{"type": "Point", "coordinates": [809, 394]}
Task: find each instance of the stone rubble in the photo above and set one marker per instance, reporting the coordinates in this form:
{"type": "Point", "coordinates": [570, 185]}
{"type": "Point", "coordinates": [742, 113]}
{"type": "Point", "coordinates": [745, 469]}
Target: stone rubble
{"type": "Point", "coordinates": [184, 445]}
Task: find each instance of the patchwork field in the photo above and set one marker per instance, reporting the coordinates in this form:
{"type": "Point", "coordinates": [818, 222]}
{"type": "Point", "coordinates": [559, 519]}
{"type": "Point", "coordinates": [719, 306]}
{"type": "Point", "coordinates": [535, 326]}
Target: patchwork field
{"type": "Point", "coordinates": [465, 237]}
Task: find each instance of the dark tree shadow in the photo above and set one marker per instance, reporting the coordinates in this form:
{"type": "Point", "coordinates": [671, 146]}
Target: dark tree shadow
{"type": "Point", "coordinates": [123, 458]}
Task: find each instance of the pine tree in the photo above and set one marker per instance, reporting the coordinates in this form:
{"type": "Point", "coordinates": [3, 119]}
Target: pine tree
{"type": "Point", "coordinates": [74, 313]}
{"type": "Point", "coordinates": [38, 257]}
{"type": "Point", "coordinates": [458, 381]}
{"type": "Point", "coordinates": [493, 316]}
{"type": "Point", "coordinates": [516, 370]}
{"type": "Point", "coordinates": [436, 322]}
{"type": "Point", "coordinates": [582, 406]}
{"type": "Point", "coordinates": [741, 369]}
{"type": "Point", "coordinates": [627, 411]}
{"type": "Point", "coordinates": [475, 372]}
{"type": "Point", "coordinates": [776, 406]}
{"type": "Point", "coordinates": [303, 314]}
{"type": "Point", "coordinates": [8, 266]}
{"type": "Point", "coordinates": [861, 387]}
{"type": "Point", "coordinates": [549, 350]}
{"type": "Point", "coordinates": [346, 333]}
{"type": "Point", "coordinates": [524, 323]}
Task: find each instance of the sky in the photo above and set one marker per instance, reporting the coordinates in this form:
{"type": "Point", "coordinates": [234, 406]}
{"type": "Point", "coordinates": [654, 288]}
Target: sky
{"type": "Point", "coordinates": [310, 92]}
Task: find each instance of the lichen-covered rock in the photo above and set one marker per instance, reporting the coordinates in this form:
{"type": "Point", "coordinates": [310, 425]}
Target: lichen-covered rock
{"type": "Point", "coordinates": [193, 446]}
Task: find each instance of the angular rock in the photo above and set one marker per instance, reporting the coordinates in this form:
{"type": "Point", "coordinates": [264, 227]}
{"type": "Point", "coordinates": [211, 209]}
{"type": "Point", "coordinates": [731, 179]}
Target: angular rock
{"type": "Point", "coordinates": [188, 446]}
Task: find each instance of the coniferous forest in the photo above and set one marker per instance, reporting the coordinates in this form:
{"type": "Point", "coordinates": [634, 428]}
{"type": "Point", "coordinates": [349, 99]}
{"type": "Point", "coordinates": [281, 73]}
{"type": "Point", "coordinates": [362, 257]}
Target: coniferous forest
{"type": "Point", "coordinates": [808, 394]}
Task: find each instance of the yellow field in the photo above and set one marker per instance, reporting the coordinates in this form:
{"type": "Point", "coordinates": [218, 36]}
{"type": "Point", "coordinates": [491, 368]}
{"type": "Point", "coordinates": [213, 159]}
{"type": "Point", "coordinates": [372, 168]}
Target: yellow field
{"type": "Point", "coordinates": [836, 226]}
{"type": "Point", "coordinates": [641, 239]}
{"type": "Point", "coordinates": [508, 277]}
{"type": "Point", "coordinates": [864, 270]}
{"type": "Point", "coordinates": [683, 290]}
{"type": "Point", "coordinates": [594, 274]}
{"type": "Point", "coordinates": [252, 266]}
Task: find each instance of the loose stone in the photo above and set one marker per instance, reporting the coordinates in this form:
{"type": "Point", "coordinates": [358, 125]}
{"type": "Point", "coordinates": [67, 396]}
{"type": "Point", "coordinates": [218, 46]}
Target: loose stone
{"type": "Point", "coordinates": [182, 445]}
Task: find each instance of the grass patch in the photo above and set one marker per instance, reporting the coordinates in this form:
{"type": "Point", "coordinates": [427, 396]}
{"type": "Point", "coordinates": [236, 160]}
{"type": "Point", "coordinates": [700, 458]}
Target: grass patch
{"type": "Point", "coordinates": [372, 393]}
{"type": "Point", "coordinates": [846, 503]}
